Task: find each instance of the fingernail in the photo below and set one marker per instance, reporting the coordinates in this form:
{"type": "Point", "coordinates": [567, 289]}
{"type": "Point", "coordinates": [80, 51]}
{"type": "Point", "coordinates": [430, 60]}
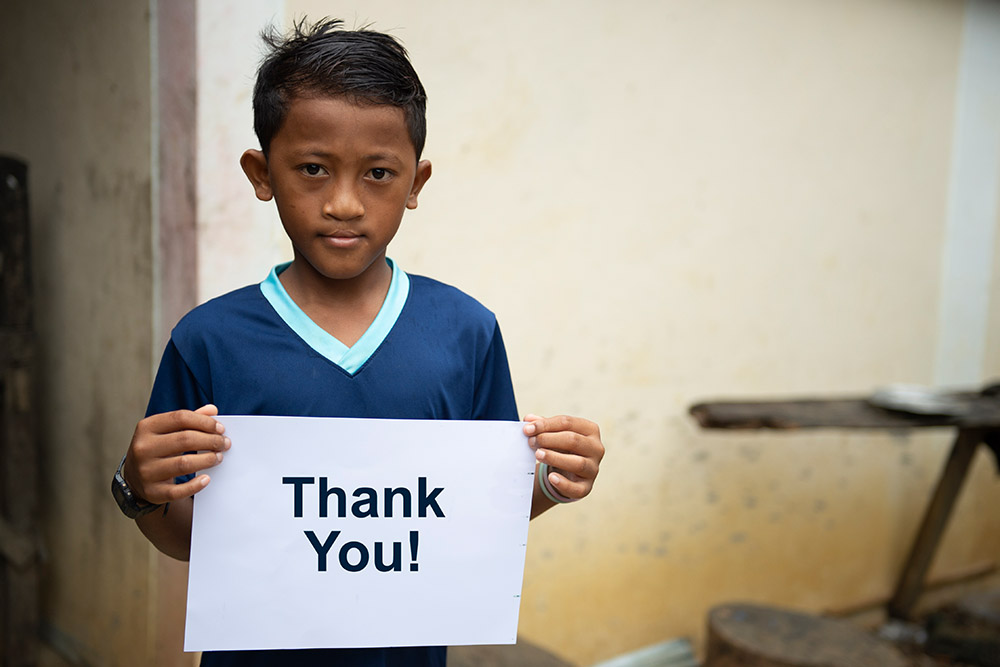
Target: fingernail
{"type": "Point", "coordinates": [204, 479]}
{"type": "Point", "coordinates": [219, 427]}
{"type": "Point", "coordinates": [228, 443]}
{"type": "Point", "coordinates": [540, 454]}
{"type": "Point", "coordinates": [529, 429]}
{"type": "Point", "coordinates": [533, 442]}
{"type": "Point", "coordinates": [218, 457]}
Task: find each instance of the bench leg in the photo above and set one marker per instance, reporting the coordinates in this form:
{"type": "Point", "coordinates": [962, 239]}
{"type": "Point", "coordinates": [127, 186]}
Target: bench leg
{"type": "Point", "coordinates": [935, 519]}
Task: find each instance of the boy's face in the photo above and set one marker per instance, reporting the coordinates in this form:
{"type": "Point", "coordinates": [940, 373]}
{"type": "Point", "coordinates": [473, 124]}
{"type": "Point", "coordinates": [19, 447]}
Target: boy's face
{"type": "Point", "coordinates": [341, 176]}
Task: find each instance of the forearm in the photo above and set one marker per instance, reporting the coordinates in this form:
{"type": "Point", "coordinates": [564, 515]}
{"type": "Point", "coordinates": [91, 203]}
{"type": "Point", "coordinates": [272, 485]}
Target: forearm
{"type": "Point", "coordinates": [170, 530]}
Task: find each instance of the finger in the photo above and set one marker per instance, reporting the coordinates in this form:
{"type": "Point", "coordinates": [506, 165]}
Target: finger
{"type": "Point", "coordinates": [531, 425]}
{"type": "Point", "coordinates": [175, 444]}
{"type": "Point", "coordinates": [186, 420]}
{"type": "Point", "coordinates": [570, 442]}
{"type": "Point", "coordinates": [560, 423]}
{"type": "Point", "coordinates": [168, 492]}
{"type": "Point", "coordinates": [207, 409]}
{"type": "Point", "coordinates": [569, 485]}
{"type": "Point", "coordinates": [580, 466]}
{"type": "Point", "coordinates": [161, 470]}
{"type": "Point", "coordinates": [530, 428]}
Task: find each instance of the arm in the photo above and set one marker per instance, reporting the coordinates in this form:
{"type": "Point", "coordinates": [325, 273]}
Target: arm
{"type": "Point", "coordinates": [570, 445]}
{"type": "Point", "coordinates": [160, 451]}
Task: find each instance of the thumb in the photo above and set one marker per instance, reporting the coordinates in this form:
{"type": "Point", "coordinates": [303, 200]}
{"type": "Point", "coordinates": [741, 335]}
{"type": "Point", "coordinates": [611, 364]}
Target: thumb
{"type": "Point", "coordinates": [209, 410]}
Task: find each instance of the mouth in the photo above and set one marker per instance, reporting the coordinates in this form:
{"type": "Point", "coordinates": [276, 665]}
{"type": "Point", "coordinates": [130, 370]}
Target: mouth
{"type": "Point", "coordinates": [342, 239]}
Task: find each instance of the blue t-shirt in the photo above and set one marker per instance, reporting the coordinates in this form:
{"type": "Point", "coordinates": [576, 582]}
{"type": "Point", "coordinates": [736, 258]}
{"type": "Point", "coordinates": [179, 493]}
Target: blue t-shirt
{"type": "Point", "coordinates": [433, 353]}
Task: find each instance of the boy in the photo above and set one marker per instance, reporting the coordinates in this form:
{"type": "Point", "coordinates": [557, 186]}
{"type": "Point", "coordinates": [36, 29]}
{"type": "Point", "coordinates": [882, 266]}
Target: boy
{"type": "Point", "coordinates": [340, 331]}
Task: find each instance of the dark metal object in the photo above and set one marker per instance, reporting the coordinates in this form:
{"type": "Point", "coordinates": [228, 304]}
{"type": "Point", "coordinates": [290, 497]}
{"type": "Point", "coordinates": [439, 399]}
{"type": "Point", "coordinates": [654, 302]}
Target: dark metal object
{"type": "Point", "coordinates": [19, 541]}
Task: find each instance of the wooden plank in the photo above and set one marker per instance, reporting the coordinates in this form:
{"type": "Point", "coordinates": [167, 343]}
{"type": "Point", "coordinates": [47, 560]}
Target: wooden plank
{"type": "Point", "coordinates": [850, 413]}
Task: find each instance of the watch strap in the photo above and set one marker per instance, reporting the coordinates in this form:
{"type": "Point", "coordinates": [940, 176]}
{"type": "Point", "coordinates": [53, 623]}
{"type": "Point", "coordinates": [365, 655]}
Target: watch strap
{"type": "Point", "coordinates": [130, 505]}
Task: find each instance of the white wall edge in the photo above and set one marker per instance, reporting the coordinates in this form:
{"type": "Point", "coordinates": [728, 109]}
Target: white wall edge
{"type": "Point", "coordinates": [972, 202]}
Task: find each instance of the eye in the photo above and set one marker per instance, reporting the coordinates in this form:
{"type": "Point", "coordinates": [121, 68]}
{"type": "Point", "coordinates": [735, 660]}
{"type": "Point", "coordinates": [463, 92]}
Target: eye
{"type": "Point", "coordinates": [380, 174]}
{"type": "Point", "coordinates": [312, 169]}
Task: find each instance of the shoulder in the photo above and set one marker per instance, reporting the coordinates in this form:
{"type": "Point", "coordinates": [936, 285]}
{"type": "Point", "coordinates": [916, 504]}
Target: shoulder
{"type": "Point", "coordinates": [219, 318]}
{"type": "Point", "coordinates": [432, 296]}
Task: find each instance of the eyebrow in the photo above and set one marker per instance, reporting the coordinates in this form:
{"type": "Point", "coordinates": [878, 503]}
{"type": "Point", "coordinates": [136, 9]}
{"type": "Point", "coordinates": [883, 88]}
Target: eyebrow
{"type": "Point", "coordinates": [379, 157]}
{"type": "Point", "coordinates": [371, 157]}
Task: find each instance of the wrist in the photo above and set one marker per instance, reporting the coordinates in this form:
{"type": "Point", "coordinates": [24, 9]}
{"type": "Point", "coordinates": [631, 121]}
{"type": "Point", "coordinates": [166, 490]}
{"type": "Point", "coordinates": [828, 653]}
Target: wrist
{"type": "Point", "coordinates": [129, 502]}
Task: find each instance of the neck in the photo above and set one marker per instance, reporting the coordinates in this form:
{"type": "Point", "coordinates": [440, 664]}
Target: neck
{"type": "Point", "coordinates": [344, 308]}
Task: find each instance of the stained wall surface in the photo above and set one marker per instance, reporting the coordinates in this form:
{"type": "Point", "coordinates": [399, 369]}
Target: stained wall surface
{"type": "Point", "coordinates": [75, 104]}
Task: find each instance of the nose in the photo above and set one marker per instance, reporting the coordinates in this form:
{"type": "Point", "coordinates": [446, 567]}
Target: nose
{"type": "Point", "coordinates": [343, 201]}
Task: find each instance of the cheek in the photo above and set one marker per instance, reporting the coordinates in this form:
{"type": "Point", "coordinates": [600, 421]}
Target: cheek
{"type": "Point", "coordinates": [292, 219]}
{"type": "Point", "coordinates": [386, 206]}
{"type": "Point", "coordinates": [291, 206]}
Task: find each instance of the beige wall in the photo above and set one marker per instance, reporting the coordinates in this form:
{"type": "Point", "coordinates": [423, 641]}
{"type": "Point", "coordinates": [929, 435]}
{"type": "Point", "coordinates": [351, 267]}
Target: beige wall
{"type": "Point", "coordinates": [238, 239]}
{"type": "Point", "coordinates": [666, 202]}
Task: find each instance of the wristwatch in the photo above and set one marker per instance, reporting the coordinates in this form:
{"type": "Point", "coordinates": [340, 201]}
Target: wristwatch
{"type": "Point", "coordinates": [130, 505]}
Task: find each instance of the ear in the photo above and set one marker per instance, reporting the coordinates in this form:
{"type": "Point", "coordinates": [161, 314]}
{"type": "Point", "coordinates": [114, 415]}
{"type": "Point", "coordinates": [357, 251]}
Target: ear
{"type": "Point", "coordinates": [423, 173]}
{"type": "Point", "coordinates": [254, 165]}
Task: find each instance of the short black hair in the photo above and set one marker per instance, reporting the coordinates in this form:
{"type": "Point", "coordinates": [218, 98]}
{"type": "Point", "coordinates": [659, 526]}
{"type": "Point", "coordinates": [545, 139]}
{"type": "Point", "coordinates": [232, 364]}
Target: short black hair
{"type": "Point", "coordinates": [324, 59]}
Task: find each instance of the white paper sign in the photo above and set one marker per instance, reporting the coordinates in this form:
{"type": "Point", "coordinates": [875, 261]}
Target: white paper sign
{"type": "Point", "coordinates": [335, 533]}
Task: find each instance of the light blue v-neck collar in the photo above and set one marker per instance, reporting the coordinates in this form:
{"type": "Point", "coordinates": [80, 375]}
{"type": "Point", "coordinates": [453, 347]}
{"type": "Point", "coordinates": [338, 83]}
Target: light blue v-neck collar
{"type": "Point", "coordinates": [351, 359]}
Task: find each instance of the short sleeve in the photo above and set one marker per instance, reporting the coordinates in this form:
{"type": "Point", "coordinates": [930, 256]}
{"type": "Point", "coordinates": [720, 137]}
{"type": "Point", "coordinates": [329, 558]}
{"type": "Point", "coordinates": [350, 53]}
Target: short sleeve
{"type": "Point", "coordinates": [494, 397]}
{"type": "Point", "coordinates": [175, 386]}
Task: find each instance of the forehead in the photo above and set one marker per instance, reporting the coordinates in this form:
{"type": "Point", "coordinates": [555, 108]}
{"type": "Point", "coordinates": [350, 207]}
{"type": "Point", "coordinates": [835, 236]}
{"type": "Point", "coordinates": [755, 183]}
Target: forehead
{"type": "Point", "coordinates": [340, 124]}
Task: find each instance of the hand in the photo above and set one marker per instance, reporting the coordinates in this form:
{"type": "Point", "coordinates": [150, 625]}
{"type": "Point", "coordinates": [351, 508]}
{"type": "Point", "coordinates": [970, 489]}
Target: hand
{"type": "Point", "coordinates": [572, 448]}
{"type": "Point", "coordinates": [161, 450]}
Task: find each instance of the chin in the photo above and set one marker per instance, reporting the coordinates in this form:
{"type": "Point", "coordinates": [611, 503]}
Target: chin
{"type": "Point", "coordinates": [343, 271]}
